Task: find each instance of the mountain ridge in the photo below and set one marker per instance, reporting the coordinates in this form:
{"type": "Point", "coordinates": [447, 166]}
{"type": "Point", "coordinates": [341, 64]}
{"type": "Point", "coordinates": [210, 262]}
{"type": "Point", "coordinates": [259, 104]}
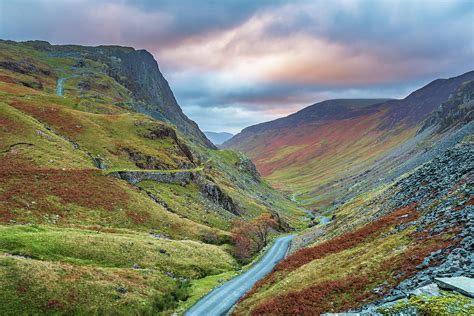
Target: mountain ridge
{"type": "Point", "coordinates": [319, 156]}
{"type": "Point", "coordinates": [218, 138]}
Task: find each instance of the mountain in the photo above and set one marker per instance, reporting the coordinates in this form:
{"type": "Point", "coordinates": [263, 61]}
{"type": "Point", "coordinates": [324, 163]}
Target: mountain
{"type": "Point", "coordinates": [135, 70]}
{"type": "Point", "coordinates": [112, 201]}
{"type": "Point", "coordinates": [218, 138]}
{"type": "Point", "coordinates": [384, 251]}
{"type": "Point", "coordinates": [329, 151]}
{"type": "Point", "coordinates": [403, 228]}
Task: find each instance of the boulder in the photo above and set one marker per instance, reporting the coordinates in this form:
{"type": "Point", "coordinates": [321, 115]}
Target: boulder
{"type": "Point", "coordinates": [428, 290]}
{"type": "Point", "coordinates": [463, 285]}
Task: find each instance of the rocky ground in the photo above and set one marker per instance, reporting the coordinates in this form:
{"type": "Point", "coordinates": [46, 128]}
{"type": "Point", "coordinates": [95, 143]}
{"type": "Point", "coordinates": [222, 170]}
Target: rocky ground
{"type": "Point", "coordinates": [444, 191]}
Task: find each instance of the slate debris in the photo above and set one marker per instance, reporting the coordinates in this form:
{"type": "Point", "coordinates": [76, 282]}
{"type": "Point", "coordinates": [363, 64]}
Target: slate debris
{"type": "Point", "coordinates": [443, 188]}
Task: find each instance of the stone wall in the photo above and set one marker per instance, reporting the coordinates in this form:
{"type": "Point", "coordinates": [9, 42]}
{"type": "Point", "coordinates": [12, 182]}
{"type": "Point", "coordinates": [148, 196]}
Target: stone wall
{"type": "Point", "coordinates": [178, 177]}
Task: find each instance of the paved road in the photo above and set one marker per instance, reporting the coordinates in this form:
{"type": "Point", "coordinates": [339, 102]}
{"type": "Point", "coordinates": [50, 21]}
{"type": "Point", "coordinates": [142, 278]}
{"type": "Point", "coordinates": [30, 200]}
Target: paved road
{"type": "Point", "coordinates": [323, 220]}
{"type": "Point", "coordinates": [59, 88]}
{"type": "Point", "coordinates": [220, 300]}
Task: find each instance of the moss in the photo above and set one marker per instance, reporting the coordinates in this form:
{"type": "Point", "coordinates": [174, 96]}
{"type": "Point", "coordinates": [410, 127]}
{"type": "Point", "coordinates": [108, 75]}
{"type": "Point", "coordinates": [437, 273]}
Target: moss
{"type": "Point", "coordinates": [444, 305]}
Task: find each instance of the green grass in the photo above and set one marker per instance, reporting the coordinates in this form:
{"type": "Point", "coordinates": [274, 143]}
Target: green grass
{"type": "Point", "coordinates": [120, 250]}
{"type": "Point", "coordinates": [41, 287]}
{"type": "Point", "coordinates": [81, 230]}
{"type": "Point", "coordinates": [77, 270]}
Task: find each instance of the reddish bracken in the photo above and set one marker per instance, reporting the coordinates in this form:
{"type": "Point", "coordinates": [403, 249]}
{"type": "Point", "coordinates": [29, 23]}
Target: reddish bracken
{"type": "Point", "coordinates": [338, 244]}
{"type": "Point", "coordinates": [54, 305]}
{"type": "Point", "coordinates": [7, 79]}
{"type": "Point", "coordinates": [40, 190]}
{"type": "Point", "coordinates": [54, 116]}
{"type": "Point", "coordinates": [352, 291]}
{"type": "Point", "coordinates": [326, 296]}
{"type": "Point", "coordinates": [138, 217]}
{"type": "Point", "coordinates": [6, 216]}
{"type": "Point", "coordinates": [7, 125]}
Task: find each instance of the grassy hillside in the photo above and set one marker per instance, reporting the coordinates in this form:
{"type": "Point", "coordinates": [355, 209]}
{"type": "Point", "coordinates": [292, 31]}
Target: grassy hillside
{"type": "Point", "coordinates": [318, 161]}
{"type": "Point", "coordinates": [74, 238]}
{"type": "Point", "coordinates": [330, 151]}
{"type": "Point", "coordinates": [380, 246]}
{"type": "Point", "coordinates": [387, 240]}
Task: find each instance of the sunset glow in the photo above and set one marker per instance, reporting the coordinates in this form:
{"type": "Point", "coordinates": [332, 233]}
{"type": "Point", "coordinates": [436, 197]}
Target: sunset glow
{"type": "Point", "coordinates": [258, 60]}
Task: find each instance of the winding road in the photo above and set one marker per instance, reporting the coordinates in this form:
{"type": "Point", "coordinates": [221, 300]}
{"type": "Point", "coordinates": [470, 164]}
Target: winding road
{"type": "Point", "coordinates": [222, 299]}
{"type": "Point", "coordinates": [59, 88]}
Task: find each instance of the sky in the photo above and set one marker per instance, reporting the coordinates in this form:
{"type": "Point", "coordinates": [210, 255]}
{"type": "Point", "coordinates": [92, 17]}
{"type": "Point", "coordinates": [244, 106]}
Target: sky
{"type": "Point", "coordinates": [232, 64]}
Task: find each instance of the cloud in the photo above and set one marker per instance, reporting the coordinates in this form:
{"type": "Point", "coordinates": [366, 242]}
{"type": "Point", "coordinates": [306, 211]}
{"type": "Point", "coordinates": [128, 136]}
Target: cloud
{"type": "Point", "coordinates": [347, 45]}
{"type": "Point", "coordinates": [250, 61]}
{"type": "Point", "coordinates": [228, 119]}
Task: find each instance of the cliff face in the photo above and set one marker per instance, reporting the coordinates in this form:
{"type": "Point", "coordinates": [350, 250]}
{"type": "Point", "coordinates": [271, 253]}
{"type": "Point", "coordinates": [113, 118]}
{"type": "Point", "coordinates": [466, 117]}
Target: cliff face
{"type": "Point", "coordinates": [139, 72]}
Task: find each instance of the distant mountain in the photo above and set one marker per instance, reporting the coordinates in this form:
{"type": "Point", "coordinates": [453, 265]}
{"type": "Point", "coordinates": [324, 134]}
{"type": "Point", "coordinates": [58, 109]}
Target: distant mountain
{"type": "Point", "coordinates": [323, 152]}
{"type": "Point", "coordinates": [218, 138]}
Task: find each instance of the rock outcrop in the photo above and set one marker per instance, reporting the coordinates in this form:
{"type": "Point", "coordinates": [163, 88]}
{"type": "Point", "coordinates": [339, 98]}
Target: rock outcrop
{"type": "Point", "coordinates": [214, 193]}
{"type": "Point", "coordinates": [175, 177]}
{"type": "Point", "coordinates": [208, 189]}
{"type": "Point", "coordinates": [246, 165]}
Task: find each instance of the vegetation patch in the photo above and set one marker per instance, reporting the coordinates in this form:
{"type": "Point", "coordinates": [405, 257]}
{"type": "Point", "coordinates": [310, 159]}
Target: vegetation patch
{"type": "Point", "coordinates": [34, 189]}
{"type": "Point", "coordinates": [346, 241]}
{"type": "Point", "coordinates": [447, 304]}
{"type": "Point", "coordinates": [348, 271]}
{"type": "Point", "coordinates": [249, 237]}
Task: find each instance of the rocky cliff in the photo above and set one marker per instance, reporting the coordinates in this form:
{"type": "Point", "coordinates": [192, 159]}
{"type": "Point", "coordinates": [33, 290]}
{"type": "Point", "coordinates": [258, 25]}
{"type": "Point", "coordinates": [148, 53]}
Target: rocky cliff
{"type": "Point", "coordinates": [139, 72]}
